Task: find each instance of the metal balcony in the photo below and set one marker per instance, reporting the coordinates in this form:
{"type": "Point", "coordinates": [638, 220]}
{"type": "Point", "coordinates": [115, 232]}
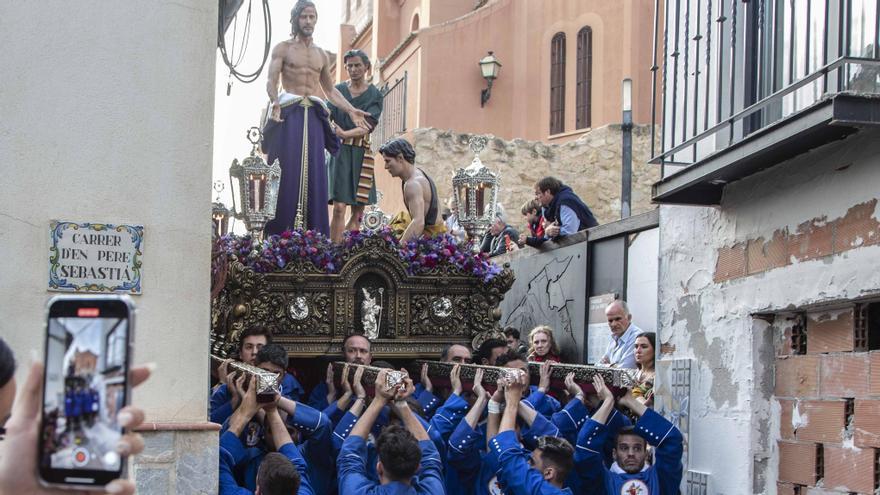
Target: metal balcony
{"type": "Point", "coordinates": [731, 110]}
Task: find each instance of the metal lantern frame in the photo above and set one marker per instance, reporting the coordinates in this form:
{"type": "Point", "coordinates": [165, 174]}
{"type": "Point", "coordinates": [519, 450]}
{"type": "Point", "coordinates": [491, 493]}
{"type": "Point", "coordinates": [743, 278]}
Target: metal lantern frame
{"type": "Point", "coordinates": [468, 184]}
{"type": "Point", "coordinates": [255, 178]}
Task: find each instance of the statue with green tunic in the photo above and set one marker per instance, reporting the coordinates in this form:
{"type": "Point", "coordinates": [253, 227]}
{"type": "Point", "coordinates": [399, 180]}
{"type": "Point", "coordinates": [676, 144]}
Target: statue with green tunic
{"type": "Point", "coordinates": [351, 173]}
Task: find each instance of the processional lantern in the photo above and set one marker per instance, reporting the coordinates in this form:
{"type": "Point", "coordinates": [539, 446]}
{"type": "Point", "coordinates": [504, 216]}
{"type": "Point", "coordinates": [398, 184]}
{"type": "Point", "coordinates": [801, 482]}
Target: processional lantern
{"type": "Point", "coordinates": [474, 191]}
{"type": "Point", "coordinates": [219, 211]}
{"type": "Point", "coordinates": [257, 186]}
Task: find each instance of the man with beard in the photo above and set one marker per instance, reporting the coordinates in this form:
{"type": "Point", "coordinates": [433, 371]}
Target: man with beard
{"type": "Point", "coordinates": [298, 130]}
{"type": "Point", "coordinates": [628, 474]}
{"type": "Point", "coordinates": [351, 170]}
{"type": "Point", "coordinates": [355, 350]}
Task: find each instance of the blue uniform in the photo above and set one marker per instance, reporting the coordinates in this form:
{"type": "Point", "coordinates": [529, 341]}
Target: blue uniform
{"type": "Point", "coordinates": [315, 429]}
{"type": "Point", "coordinates": [427, 400]}
{"type": "Point", "coordinates": [221, 400]}
{"type": "Point", "coordinates": [232, 453]}
{"type": "Point", "coordinates": [318, 397]}
{"type": "Point", "coordinates": [68, 405]}
{"type": "Point", "coordinates": [661, 478]}
{"type": "Point", "coordinates": [475, 470]}
{"type": "Point", "coordinates": [516, 477]}
{"type": "Point", "coordinates": [353, 479]}
{"type": "Point", "coordinates": [541, 402]}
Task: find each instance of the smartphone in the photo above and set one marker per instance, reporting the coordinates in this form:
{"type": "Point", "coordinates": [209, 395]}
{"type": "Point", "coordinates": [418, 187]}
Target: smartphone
{"type": "Point", "coordinates": [86, 383]}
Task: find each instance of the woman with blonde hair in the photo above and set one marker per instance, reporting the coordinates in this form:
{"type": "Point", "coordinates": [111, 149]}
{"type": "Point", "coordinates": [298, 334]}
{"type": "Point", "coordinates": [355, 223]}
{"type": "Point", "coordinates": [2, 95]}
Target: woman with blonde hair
{"type": "Point", "coordinates": [542, 345]}
{"type": "Point", "coordinates": [644, 353]}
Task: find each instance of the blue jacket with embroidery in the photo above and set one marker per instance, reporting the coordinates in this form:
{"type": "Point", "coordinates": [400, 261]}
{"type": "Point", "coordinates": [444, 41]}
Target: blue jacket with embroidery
{"type": "Point", "coordinates": [353, 479]}
{"type": "Point", "coordinates": [232, 453]}
{"type": "Point", "coordinates": [516, 476]}
{"type": "Point", "coordinates": [221, 400]}
{"type": "Point", "coordinates": [661, 478]}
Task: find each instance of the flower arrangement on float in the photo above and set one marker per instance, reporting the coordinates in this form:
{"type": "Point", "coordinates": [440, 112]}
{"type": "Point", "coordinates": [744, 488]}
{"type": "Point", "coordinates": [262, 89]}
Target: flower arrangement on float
{"type": "Point", "coordinates": [421, 256]}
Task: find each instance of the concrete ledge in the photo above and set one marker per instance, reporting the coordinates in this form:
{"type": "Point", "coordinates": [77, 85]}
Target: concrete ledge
{"type": "Point", "coordinates": [200, 426]}
{"type": "Point", "coordinates": [635, 223]}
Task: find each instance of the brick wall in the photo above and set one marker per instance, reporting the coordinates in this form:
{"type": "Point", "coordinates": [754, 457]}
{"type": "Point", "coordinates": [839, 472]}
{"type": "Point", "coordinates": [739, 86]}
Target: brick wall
{"type": "Point", "coordinates": [828, 389]}
{"type": "Point", "coordinates": [814, 239]}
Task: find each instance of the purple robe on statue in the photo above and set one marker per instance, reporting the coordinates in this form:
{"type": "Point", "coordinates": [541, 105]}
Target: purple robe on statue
{"type": "Point", "coordinates": [283, 140]}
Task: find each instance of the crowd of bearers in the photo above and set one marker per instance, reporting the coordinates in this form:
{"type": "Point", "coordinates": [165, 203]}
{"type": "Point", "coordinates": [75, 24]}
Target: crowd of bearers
{"type": "Point", "coordinates": [509, 437]}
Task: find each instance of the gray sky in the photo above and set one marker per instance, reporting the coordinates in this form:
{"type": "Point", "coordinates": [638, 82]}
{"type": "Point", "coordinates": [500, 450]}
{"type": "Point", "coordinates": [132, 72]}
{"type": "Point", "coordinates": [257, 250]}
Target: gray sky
{"type": "Point", "coordinates": [234, 114]}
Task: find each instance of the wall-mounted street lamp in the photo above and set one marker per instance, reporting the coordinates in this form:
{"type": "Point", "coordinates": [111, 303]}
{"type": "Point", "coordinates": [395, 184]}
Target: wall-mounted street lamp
{"type": "Point", "coordinates": [490, 67]}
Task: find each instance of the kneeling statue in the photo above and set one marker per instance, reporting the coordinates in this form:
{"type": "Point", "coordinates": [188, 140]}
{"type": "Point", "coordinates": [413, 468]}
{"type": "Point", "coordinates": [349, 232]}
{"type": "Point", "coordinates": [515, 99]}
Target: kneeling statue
{"type": "Point", "coordinates": [419, 193]}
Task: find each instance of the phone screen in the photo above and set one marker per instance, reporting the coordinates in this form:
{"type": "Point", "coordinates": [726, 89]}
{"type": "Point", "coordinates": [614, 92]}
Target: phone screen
{"type": "Point", "coordinates": [85, 386]}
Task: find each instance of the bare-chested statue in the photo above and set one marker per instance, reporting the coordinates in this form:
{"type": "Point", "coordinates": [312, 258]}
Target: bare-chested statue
{"type": "Point", "coordinates": [419, 193]}
{"type": "Point", "coordinates": [298, 130]}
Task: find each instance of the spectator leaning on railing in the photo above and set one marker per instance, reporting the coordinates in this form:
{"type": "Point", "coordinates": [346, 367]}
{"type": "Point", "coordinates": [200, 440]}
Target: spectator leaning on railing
{"type": "Point", "coordinates": [564, 212]}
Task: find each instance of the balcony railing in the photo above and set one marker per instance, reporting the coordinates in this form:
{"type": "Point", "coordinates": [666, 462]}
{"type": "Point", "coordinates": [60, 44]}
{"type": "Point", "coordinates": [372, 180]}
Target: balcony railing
{"type": "Point", "coordinates": [732, 68]}
{"type": "Point", "coordinates": [393, 119]}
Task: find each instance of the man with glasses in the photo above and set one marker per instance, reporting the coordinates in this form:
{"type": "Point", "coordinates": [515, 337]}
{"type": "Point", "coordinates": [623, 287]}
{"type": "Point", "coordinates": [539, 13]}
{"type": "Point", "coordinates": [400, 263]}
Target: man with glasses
{"type": "Point", "coordinates": [351, 182]}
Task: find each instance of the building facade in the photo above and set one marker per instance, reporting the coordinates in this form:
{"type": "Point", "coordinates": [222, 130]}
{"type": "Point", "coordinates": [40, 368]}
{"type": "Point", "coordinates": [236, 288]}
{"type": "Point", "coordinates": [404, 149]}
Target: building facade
{"type": "Point", "coordinates": [563, 62]}
{"type": "Point", "coordinates": [769, 326]}
{"type": "Point", "coordinates": [124, 137]}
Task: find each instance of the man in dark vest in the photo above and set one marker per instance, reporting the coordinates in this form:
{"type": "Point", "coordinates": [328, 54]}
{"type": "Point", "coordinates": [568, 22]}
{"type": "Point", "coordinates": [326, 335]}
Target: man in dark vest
{"type": "Point", "coordinates": [564, 212]}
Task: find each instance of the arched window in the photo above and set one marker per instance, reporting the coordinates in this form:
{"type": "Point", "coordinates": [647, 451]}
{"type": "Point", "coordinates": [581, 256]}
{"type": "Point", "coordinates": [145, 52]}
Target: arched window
{"type": "Point", "coordinates": [414, 25]}
{"type": "Point", "coordinates": [584, 77]}
{"type": "Point", "coordinates": [557, 84]}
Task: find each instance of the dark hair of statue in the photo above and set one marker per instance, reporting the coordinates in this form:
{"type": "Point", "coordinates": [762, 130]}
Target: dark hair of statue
{"type": "Point", "coordinates": [357, 53]}
{"type": "Point", "coordinates": [7, 363]}
{"type": "Point", "coordinates": [399, 147]}
{"type": "Point", "coordinates": [295, 13]}
{"type": "Point", "coordinates": [277, 475]}
{"type": "Point", "coordinates": [273, 353]}
{"type": "Point", "coordinates": [399, 452]}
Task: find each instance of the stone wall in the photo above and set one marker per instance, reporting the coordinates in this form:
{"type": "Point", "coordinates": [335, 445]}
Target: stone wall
{"type": "Point", "coordinates": [590, 165]}
{"type": "Point", "coordinates": [178, 461]}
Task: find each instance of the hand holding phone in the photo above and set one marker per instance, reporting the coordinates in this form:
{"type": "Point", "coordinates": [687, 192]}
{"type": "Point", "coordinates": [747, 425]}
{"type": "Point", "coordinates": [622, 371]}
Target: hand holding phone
{"type": "Point", "coordinates": [18, 469]}
{"type": "Point", "coordinates": [86, 388]}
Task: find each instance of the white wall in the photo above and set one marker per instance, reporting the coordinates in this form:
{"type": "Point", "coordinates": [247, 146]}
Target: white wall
{"type": "Point", "coordinates": [108, 116]}
{"type": "Point", "coordinates": [641, 279]}
{"type": "Point", "coordinates": [733, 426]}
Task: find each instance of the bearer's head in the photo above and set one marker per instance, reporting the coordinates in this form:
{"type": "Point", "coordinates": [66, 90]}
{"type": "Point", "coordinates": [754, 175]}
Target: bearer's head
{"type": "Point", "coordinates": [490, 350]}
{"type": "Point", "coordinates": [277, 476]}
{"type": "Point", "coordinates": [303, 18]}
{"type": "Point", "coordinates": [512, 359]}
{"type": "Point", "coordinates": [399, 156]}
{"type": "Point", "coordinates": [553, 458]}
{"type": "Point", "coordinates": [251, 341]}
{"type": "Point", "coordinates": [272, 357]}
{"type": "Point", "coordinates": [630, 450]}
{"type": "Point", "coordinates": [356, 349]}
{"type": "Point", "coordinates": [456, 353]}
{"type": "Point", "coordinates": [399, 455]}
